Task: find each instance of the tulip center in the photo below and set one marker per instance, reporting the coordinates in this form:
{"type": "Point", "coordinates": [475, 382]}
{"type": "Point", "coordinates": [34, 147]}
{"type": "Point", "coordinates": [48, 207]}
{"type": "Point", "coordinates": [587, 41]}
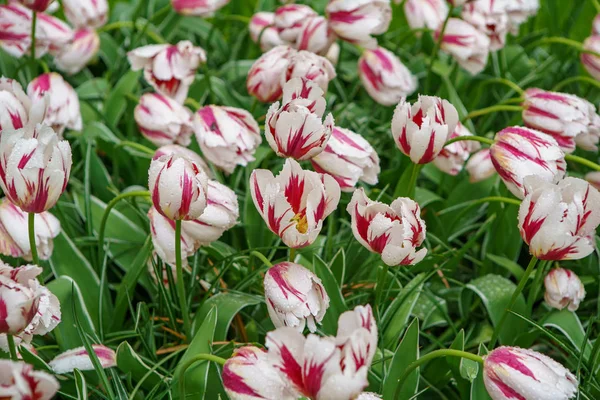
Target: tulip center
{"type": "Point", "coordinates": [301, 223]}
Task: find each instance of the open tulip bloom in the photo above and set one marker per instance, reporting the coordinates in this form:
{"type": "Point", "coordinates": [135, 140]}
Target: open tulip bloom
{"type": "Point", "coordinates": [19, 380]}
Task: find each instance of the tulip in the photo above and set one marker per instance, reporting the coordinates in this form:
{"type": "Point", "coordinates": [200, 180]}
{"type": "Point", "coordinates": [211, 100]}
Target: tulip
{"type": "Point", "coordinates": [63, 109]}
{"type": "Point", "coordinates": [519, 152]}
{"type": "Point", "coordinates": [263, 31]}
{"type": "Point", "coordinates": [199, 8]}
{"type": "Point", "coordinates": [421, 130]}
{"type": "Point", "coordinates": [248, 374]}
{"type": "Point", "coordinates": [558, 222]}
{"type": "Point", "coordinates": [469, 47]}
{"type": "Point", "coordinates": [296, 129]}
{"type": "Point", "coordinates": [357, 20]}
{"type": "Point", "coordinates": [563, 289]}
{"type": "Point", "coordinates": [178, 187]}
{"type": "Point", "coordinates": [14, 233]}
{"type": "Point", "coordinates": [593, 178]}
{"type": "Point", "coordinates": [357, 336]}
{"type": "Point", "coordinates": [36, 5]}
{"type": "Point", "coordinates": [323, 368]}
{"type": "Point", "coordinates": [295, 297]}
{"type": "Point", "coordinates": [596, 25]}
{"type": "Point", "coordinates": [490, 18]}
{"type": "Point", "coordinates": [315, 36]}
{"type": "Point", "coordinates": [589, 140]}
{"type": "Point", "coordinates": [162, 231]}
{"type": "Point", "coordinates": [86, 13]}
{"type": "Point", "coordinates": [519, 11]}
{"type": "Point", "coordinates": [394, 231]}
{"type": "Point", "coordinates": [14, 105]}
{"type": "Point", "coordinates": [452, 158]}
{"type": "Point", "coordinates": [228, 136]}
{"type": "Point", "coordinates": [310, 66]}
{"type": "Point", "coordinates": [220, 215]}
{"type": "Point", "coordinates": [184, 152]}
{"type": "Point", "coordinates": [563, 116]}
{"type": "Point", "coordinates": [34, 167]}
{"type": "Point", "coordinates": [289, 20]}
{"type": "Point", "coordinates": [264, 77]}
{"type": "Point", "coordinates": [19, 300]}
{"type": "Point", "coordinates": [77, 54]}
{"type": "Point", "coordinates": [590, 61]}
{"type": "Point", "coordinates": [162, 120]}
{"type": "Point", "coordinates": [15, 36]}
{"type": "Point", "coordinates": [384, 76]}
{"type": "Point", "coordinates": [429, 14]}
{"type": "Point", "coordinates": [295, 203]}
{"type": "Point", "coordinates": [348, 158]}
{"type": "Point", "coordinates": [515, 373]}
{"type": "Point", "coordinates": [480, 166]}
{"type": "Point", "coordinates": [19, 380]}
{"type": "Point", "coordinates": [53, 33]}
{"type": "Point", "coordinates": [170, 69]}
{"type": "Point", "coordinates": [79, 358]}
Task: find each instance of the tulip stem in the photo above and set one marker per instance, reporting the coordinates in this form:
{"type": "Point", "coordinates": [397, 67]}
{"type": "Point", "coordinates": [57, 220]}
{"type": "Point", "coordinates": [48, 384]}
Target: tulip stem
{"type": "Point", "coordinates": [106, 214]}
{"type": "Point", "coordinates": [428, 357]}
{"type": "Point", "coordinates": [261, 256]}
{"type": "Point", "coordinates": [513, 300]}
{"type": "Point", "coordinates": [292, 254]}
{"type": "Point", "coordinates": [12, 348]}
{"type": "Point", "coordinates": [195, 359]}
{"type": "Point", "coordinates": [34, 254]}
{"type": "Point", "coordinates": [492, 109]}
{"type": "Point", "coordinates": [180, 283]}
{"type": "Point", "coordinates": [136, 146]}
{"type": "Point", "coordinates": [436, 49]}
{"type": "Point", "coordinates": [33, 29]}
{"type": "Point", "coordinates": [472, 138]}
{"type": "Point", "coordinates": [506, 82]}
{"type": "Point", "coordinates": [574, 79]}
{"type": "Point", "coordinates": [582, 161]}
{"type": "Point", "coordinates": [561, 40]}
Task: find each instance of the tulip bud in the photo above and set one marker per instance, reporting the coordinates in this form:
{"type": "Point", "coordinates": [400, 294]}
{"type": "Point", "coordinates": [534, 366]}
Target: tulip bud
{"type": "Point", "coordinates": [262, 28]}
{"type": "Point", "coordinates": [290, 18]}
{"type": "Point", "coordinates": [480, 166]}
{"type": "Point", "coordinates": [593, 178]}
{"type": "Point", "coordinates": [221, 214]}
{"type": "Point", "coordinates": [469, 47]}
{"type": "Point", "coordinates": [429, 14]}
{"type": "Point", "coordinates": [563, 289]}
{"type": "Point", "coordinates": [348, 158]}
{"type": "Point", "coordinates": [86, 13]}
{"type": "Point", "coordinates": [228, 136]}
{"type": "Point", "coordinates": [198, 8]}
{"type": "Point", "coordinates": [63, 109]}
{"type": "Point", "coordinates": [264, 77]}
{"type": "Point", "coordinates": [14, 105]}
{"type": "Point", "coordinates": [558, 222]}
{"type": "Point", "coordinates": [295, 203]}
{"type": "Point", "coordinates": [310, 66]}
{"type": "Point", "coordinates": [162, 120]}
{"type": "Point", "coordinates": [77, 54]}
{"type": "Point", "coordinates": [421, 130]}
{"type": "Point", "coordinates": [452, 158]}
{"type": "Point", "coordinates": [356, 20]}
{"type": "Point", "coordinates": [519, 152]}
{"type": "Point", "coordinates": [563, 116]}
{"type": "Point", "coordinates": [295, 296]}
{"type": "Point", "coordinates": [178, 187]}
{"type": "Point", "coordinates": [248, 374]}
{"type": "Point", "coordinates": [14, 233]}
{"type": "Point", "coordinates": [162, 230]}
{"type": "Point", "coordinates": [515, 373]}
{"type": "Point", "coordinates": [384, 76]}
{"type": "Point", "coordinates": [315, 36]}
{"type": "Point", "coordinates": [394, 231]}
{"type": "Point", "coordinates": [297, 129]}
{"type": "Point", "coordinates": [36, 5]}
{"type": "Point", "coordinates": [19, 380]}
{"type": "Point", "coordinates": [184, 152]}
{"type": "Point", "coordinates": [53, 33]}
{"type": "Point", "coordinates": [591, 62]}
{"type": "Point", "coordinates": [170, 69]}
{"type": "Point", "coordinates": [79, 358]}
{"type": "Point", "coordinates": [34, 167]}
{"type": "Point", "coordinates": [596, 25]}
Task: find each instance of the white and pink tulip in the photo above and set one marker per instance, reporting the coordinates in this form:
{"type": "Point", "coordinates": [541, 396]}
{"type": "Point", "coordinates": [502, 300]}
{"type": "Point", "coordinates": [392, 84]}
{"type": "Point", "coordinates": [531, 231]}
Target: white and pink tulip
{"type": "Point", "coordinates": [315, 36]}
{"type": "Point", "coordinates": [469, 46]}
{"type": "Point", "coordinates": [86, 13]}
{"type": "Point", "coordinates": [264, 77]}
{"type": "Point", "coordinates": [162, 120]}
{"type": "Point", "coordinates": [78, 53]}
{"type": "Point", "coordinates": [19, 380]}
{"type": "Point", "coordinates": [489, 17]}
{"type": "Point", "coordinates": [198, 8]}
{"type": "Point", "coordinates": [15, 106]}
{"type": "Point", "coordinates": [310, 66]}
{"type": "Point", "coordinates": [357, 20]}
{"type": "Point", "coordinates": [480, 166]}
{"type": "Point", "coordinates": [263, 31]}
{"type": "Point", "coordinates": [563, 289]}
{"type": "Point", "coordinates": [289, 20]}
{"type": "Point", "coordinates": [80, 359]}
{"type": "Point", "coordinates": [429, 14]}
{"type": "Point", "coordinates": [162, 231]}
{"type": "Point", "coordinates": [452, 158]}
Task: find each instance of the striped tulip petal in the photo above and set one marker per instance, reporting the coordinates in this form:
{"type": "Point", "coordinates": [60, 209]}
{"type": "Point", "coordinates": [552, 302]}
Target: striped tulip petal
{"type": "Point", "coordinates": [79, 358]}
